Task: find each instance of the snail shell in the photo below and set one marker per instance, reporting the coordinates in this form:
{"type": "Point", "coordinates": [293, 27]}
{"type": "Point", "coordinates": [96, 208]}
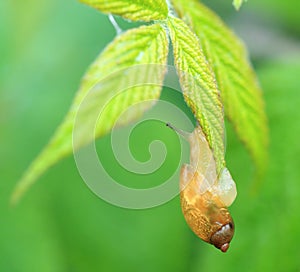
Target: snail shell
{"type": "Point", "coordinates": [205, 196]}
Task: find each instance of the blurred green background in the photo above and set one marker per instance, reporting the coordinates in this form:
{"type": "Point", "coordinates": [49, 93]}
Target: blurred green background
{"type": "Point", "coordinates": [62, 226]}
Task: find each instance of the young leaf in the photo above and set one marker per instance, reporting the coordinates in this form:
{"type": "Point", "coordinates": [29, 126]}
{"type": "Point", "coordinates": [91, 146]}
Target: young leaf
{"type": "Point", "coordinates": [137, 57]}
{"type": "Point", "coordinates": [240, 92]}
{"type": "Point", "coordinates": [199, 86]}
{"type": "Point", "coordinates": [237, 4]}
{"type": "Point", "coordinates": [135, 10]}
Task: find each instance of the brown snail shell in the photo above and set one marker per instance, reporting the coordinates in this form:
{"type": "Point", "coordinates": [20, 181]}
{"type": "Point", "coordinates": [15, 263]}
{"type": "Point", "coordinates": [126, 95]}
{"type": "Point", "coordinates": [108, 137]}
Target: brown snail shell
{"type": "Point", "coordinates": [207, 216]}
{"type": "Point", "coordinates": [205, 196]}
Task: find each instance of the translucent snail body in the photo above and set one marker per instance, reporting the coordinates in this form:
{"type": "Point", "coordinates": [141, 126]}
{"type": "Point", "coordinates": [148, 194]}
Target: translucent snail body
{"type": "Point", "coordinates": [205, 196]}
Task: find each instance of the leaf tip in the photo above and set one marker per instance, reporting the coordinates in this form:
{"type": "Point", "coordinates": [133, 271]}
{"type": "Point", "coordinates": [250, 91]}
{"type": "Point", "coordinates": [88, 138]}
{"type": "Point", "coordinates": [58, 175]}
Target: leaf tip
{"type": "Point", "coordinates": [237, 4]}
{"type": "Point", "coordinates": [15, 197]}
{"type": "Point", "coordinates": [23, 185]}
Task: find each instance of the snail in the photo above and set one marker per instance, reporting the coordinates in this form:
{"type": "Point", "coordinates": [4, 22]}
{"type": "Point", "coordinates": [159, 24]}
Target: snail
{"type": "Point", "coordinates": [205, 195]}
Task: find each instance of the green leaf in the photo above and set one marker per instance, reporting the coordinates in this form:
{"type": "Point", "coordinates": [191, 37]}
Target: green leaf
{"type": "Point", "coordinates": [133, 58]}
{"type": "Point", "coordinates": [199, 86]}
{"type": "Point", "coordinates": [240, 91]}
{"type": "Point", "coordinates": [138, 10]}
{"type": "Point", "coordinates": [237, 4]}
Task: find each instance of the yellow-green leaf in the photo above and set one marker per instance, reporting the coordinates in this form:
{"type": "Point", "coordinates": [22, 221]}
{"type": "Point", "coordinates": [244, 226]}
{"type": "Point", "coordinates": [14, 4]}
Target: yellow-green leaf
{"type": "Point", "coordinates": [237, 4]}
{"type": "Point", "coordinates": [113, 83]}
{"type": "Point", "coordinates": [135, 10]}
{"type": "Point", "coordinates": [199, 86]}
{"type": "Point", "coordinates": [240, 91]}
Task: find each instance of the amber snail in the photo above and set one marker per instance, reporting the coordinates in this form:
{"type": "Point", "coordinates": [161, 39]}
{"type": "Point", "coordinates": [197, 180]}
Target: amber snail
{"type": "Point", "coordinates": [204, 195]}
